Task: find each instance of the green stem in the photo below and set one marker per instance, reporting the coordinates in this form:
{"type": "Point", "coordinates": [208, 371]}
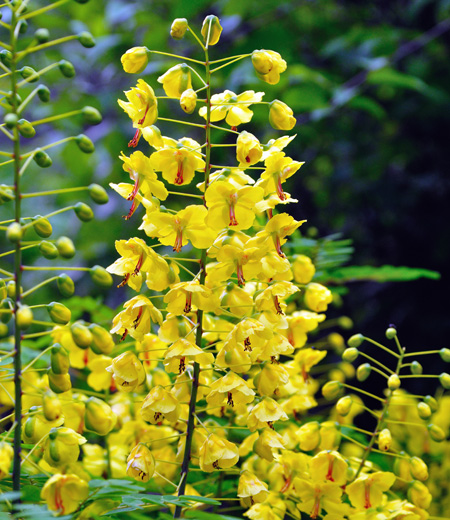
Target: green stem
{"type": "Point", "coordinates": [38, 286]}
{"type": "Point", "coordinates": [199, 331]}
{"type": "Point", "coordinates": [179, 57]}
{"type": "Point", "coordinates": [43, 9]}
{"type": "Point", "coordinates": [46, 45]}
{"type": "Point", "coordinates": [37, 74]}
{"type": "Point", "coordinates": [53, 192]}
{"type": "Point", "coordinates": [55, 118]}
{"type": "Point", "coordinates": [229, 63]}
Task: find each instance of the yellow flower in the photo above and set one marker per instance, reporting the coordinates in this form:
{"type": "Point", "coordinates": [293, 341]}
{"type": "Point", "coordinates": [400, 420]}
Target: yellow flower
{"type": "Point", "coordinates": [329, 465]}
{"type": "Point", "coordinates": [281, 116]}
{"type": "Point", "coordinates": [125, 190]}
{"type": "Point", "coordinates": [179, 28]}
{"type": "Point", "coordinates": [230, 388]}
{"type": "Point", "coordinates": [367, 490]}
{"type": "Point", "coordinates": [269, 298]}
{"type": "Point", "coordinates": [419, 495]}
{"type": "Point", "coordinates": [301, 322]}
{"type": "Point", "coordinates": [276, 230]}
{"type": "Point", "coordinates": [178, 161]}
{"type": "Point", "coordinates": [271, 376]}
{"type": "Point", "coordinates": [264, 414]}
{"type": "Point", "coordinates": [248, 149]}
{"type": "Point", "coordinates": [306, 358]}
{"type": "Point", "coordinates": [317, 297]}
{"type": "Point", "coordinates": [384, 440]}
{"type": "Point", "coordinates": [135, 60]}
{"type": "Point", "coordinates": [159, 405]}
{"type": "Point", "coordinates": [251, 489]}
{"type": "Point", "coordinates": [229, 206]}
{"type": "Point", "coordinates": [99, 379]}
{"type": "Point", "coordinates": [309, 436]}
{"type": "Point", "coordinates": [217, 453]}
{"type": "Point", "coordinates": [182, 296]}
{"type": "Point", "coordinates": [176, 80]}
{"type": "Point", "coordinates": [303, 269]}
{"type": "Point", "coordinates": [188, 225]}
{"type": "Point", "coordinates": [6, 456]}
{"type": "Point", "coordinates": [268, 65]}
{"type": "Point", "coordinates": [62, 446]}
{"type": "Point", "coordinates": [317, 496]}
{"type": "Point", "coordinates": [211, 30]}
{"type": "Point", "coordinates": [142, 108]}
{"type": "Point", "coordinates": [64, 493]}
{"type": "Point", "coordinates": [234, 176]}
{"type": "Point", "coordinates": [136, 318]}
{"type": "Point", "coordinates": [128, 371]}
{"type": "Point", "coordinates": [182, 352]}
{"type": "Point", "coordinates": [98, 416]}
{"type": "Point", "coordinates": [141, 463]}
{"type": "Point", "coordinates": [188, 100]}
{"type": "Point", "coordinates": [267, 443]}
{"type": "Point", "coordinates": [231, 107]}
{"type": "Point", "coordinates": [278, 169]}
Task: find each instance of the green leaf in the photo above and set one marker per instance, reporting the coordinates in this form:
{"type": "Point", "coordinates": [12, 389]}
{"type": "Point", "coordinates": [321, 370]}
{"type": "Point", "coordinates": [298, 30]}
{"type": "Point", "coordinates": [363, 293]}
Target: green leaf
{"type": "Point", "coordinates": [202, 515]}
{"type": "Point", "coordinates": [368, 105]}
{"type": "Point", "coordinates": [394, 78]}
{"type": "Point", "coordinates": [386, 273]}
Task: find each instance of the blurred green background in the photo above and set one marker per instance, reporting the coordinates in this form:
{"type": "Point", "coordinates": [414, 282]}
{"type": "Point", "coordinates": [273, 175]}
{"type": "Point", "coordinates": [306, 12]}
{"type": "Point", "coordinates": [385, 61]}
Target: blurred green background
{"type": "Point", "coordinates": [369, 85]}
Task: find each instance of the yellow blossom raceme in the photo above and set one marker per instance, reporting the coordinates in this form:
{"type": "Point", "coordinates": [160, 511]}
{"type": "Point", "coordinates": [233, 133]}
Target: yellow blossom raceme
{"type": "Point", "coordinates": [176, 80]}
{"type": "Point", "coordinates": [211, 30]}
{"type": "Point", "coordinates": [188, 225]}
{"type": "Point", "coordinates": [62, 446]}
{"type": "Point", "coordinates": [329, 465]}
{"type": "Point", "coordinates": [317, 297]}
{"type": "Point", "coordinates": [229, 206]}
{"type": "Point", "coordinates": [303, 269]}
{"type": "Point", "coordinates": [141, 463]}
{"type": "Point", "coordinates": [142, 108]}
{"type": "Point", "coordinates": [182, 352]}
{"type": "Point", "coordinates": [281, 116]}
{"type": "Point", "coordinates": [268, 65]}
{"type": "Point", "coordinates": [248, 149]}
{"type": "Point", "coordinates": [264, 414]}
{"type": "Point", "coordinates": [278, 169]}
{"type": "Point", "coordinates": [184, 295]}
{"type": "Point", "coordinates": [64, 493]}
{"type": "Point", "coordinates": [135, 60]}
{"type": "Point", "coordinates": [231, 107]}
{"type": "Point", "coordinates": [178, 161]}
{"type": "Point", "coordinates": [6, 456]}
{"type": "Point", "coordinates": [268, 443]}
{"type": "Point", "coordinates": [251, 489]}
{"type": "Point", "coordinates": [269, 298]}
{"type": "Point", "coordinates": [136, 318]}
{"type": "Point", "coordinates": [217, 453]}
{"type": "Point", "coordinates": [367, 490]}
{"type": "Point", "coordinates": [231, 389]}
{"type": "Point", "coordinates": [159, 405]}
{"type": "Point", "coordinates": [127, 371]}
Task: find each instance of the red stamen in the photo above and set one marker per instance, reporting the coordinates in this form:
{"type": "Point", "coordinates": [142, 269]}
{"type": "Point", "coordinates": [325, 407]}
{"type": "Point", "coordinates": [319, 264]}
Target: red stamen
{"type": "Point", "coordinates": [233, 221]}
{"type": "Point", "coordinates": [138, 318]}
{"type": "Point", "coordinates": [188, 306]}
{"type": "Point", "coordinates": [367, 503]}
{"type": "Point", "coordinates": [247, 345]}
{"type": "Point", "coordinates": [277, 305]}
{"type": "Point", "coordinates": [124, 281]}
{"type": "Point", "coordinates": [290, 337]}
{"type": "Point", "coordinates": [240, 275]}
{"type": "Point", "coordinates": [178, 241]}
{"type": "Point", "coordinates": [270, 213]}
{"type": "Point", "coordinates": [316, 509]}
{"type": "Point", "coordinates": [230, 399]}
{"type": "Point", "coordinates": [134, 142]}
{"type": "Point", "coordinates": [124, 335]}
{"type": "Point", "coordinates": [135, 189]}
{"type": "Point", "coordinates": [248, 159]}
{"type": "Point", "coordinates": [182, 367]}
{"type": "Point", "coordinates": [179, 178]}
{"type": "Point", "coordinates": [141, 121]}
{"type": "Point", "coordinates": [330, 469]}
{"type": "Point", "coordinates": [132, 210]}
{"type": "Point", "coordinates": [138, 267]}
{"type": "Point", "coordinates": [280, 192]}
{"type": "Point", "coordinates": [286, 485]}
{"type": "Point", "coordinates": [278, 247]}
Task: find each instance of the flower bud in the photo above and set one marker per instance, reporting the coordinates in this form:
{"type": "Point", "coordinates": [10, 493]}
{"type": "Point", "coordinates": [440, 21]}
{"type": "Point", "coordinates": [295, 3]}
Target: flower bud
{"type": "Point", "coordinates": [42, 35]}
{"type": "Point", "coordinates": [91, 115]}
{"type": "Point", "coordinates": [6, 194]}
{"type": "Point", "coordinates": [140, 463]}
{"type": "Point", "coordinates": [84, 143]}
{"type": "Point", "coordinates": [62, 446]}
{"type": "Point", "coordinates": [176, 80]}
{"type": "Point", "coordinates": [135, 60]}
{"type": "Point", "coordinates": [24, 317]}
{"type": "Point", "coordinates": [416, 368]}
{"type": "Point", "coordinates": [332, 390]}
{"type": "Point", "coordinates": [14, 232]}
{"type": "Point", "coordinates": [59, 383]}
{"type": "Point", "coordinates": [384, 440]}
{"type": "Point", "coordinates": [81, 334]}
{"type": "Point", "coordinates": [11, 290]}
{"type": "Point", "coordinates": [99, 417]}
{"type": "Point", "coordinates": [67, 69]}
{"type": "Point", "coordinates": [102, 341]}
{"type": "Point", "coordinates": [48, 250]}
{"type": "Point", "coordinates": [317, 297]}
{"type": "Point", "coordinates": [65, 247]}
{"type": "Point", "coordinates": [4, 330]}
{"type": "Point", "coordinates": [6, 457]}
{"type": "Point", "coordinates": [42, 226]}
{"type": "Point", "coordinates": [128, 371]}
{"type": "Point", "coordinates": [26, 129]}
{"type": "Point", "coordinates": [98, 194]}
{"type": "Point", "coordinates": [363, 372]}
{"type": "Point", "coordinates": [436, 432]}
{"type": "Point", "coordinates": [431, 402]}
{"type": "Point", "coordinates": [6, 57]}
{"type": "Point", "coordinates": [10, 120]}
{"type": "Point", "coordinates": [419, 495]}
{"type": "Point", "coordinates": [101, 277]}
{"type": "Point", "coordinates": [23, 24]}
{"type": "Point", "coordinates": [445, 354]}
{"type": "Point", "coordinates": [43, 93]}
{"type": "Point", "coordinates": [394, 382]}
{"type": "Point", "coordinates": [65, 285]}
{"type": "Point", "coordinates": [211, 30]}
{"type": "Point", "coordinates": [281, 116]}
{"type": "Point", "coordinates": [28, 72]}
{"type": "Point", "coordinates": [59, 359]}
{"type": "Point", "coordinates": [42, 158]}
{"type": "Point", "coordinates": [391, 332]}
{"type": "Point", "coordinates": [188, 100]}
{"type": "Point", "coordinates": [350, 354]}
{"type": "Point", "coordinates": [418, 468]}
{"type": "Point", "coordinates": [83, 212]}
{"type": "Point", "coordinates": [344, 405]}
{"type": "Point", "coordinates": [59, 313]}
{"type": "Point", "coordinates": [303, 269]}
{"type": "Point", "coordinates": [10, 97]}
{"type": "Point", "coordinates": [51, 406]}
{"type": "Point", "coordinates": [423, 410]}
{"type": "Point", "coordinates": [64, 493]}
{"type": "Point", "coordinates": [262, 61]}
{"type": "Point", "coordinates": [86, 39]}
{"type": "Point", "coordinates": [444, 379]}
{"type": "Point", "coordinates": [178, 29]}
{"type": "Point", "coordinates": [309, 436]}
{"type": "Point", "coordinates": [6, 304]}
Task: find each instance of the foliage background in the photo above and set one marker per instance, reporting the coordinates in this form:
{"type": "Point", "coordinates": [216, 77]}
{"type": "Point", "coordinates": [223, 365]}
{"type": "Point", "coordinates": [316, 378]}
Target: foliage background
{"type": "Point", "coordinates": [369, 84]}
